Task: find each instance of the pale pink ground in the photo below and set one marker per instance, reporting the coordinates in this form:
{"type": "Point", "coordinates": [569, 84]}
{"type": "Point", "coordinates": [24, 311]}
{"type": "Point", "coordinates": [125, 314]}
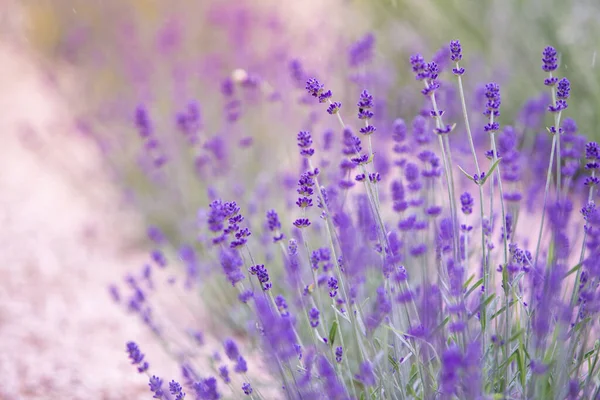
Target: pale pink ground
{"type": "Point", "coordinates": [63, 240]}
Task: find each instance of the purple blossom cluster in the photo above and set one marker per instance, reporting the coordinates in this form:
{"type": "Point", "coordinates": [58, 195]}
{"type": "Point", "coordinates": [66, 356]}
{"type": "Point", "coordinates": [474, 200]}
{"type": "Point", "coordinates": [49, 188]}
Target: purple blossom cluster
{"type": "Point", "coordinates": [440, 275]}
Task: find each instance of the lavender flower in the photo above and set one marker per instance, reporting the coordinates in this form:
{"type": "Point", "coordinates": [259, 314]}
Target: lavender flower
{"type": "Point", "coordinates": [467, 202]}
{"type": "Point", "coordinates": [492, 107]}
{"type": "Point", "coordinates": [206, 389]}
{"type": "Point", "coordinates": [241, 367]}
{"type": "Point", "coordinates": [302, 223]}
{"type": "Point", "coordinates": [136, 357]}
{"type": "Point", "coordinates": [231, 349]}
{"type": "Point", "coordinates": [155, 384]}
{"type": "Point", "coordinates": [176, 390]}
{"type": "Point", "coordinates": [304, 142]}
{"type": "Point", "coordinates": [549, 59]}
{"type": "Point", "coordinates": [274, 225]}
{"type": "Point", "coordinates": [224, 373]}
{"type": "Point", "coordinates": [314, 314]}
{"type": "Point", "coordinates": [262, 275]}
{"type": "Point", "coordinates": [362, 50]}
{"type": "Point", "coordinates": [365, 104]}
{"type": "Point", "coordinates": [247, 388]}
{"type": "Point", "coordinates": [333, 286]}
{"type": "Point", "coordinates": [339, 353]}
{"type": "Point", "coordinates": [334, 107]}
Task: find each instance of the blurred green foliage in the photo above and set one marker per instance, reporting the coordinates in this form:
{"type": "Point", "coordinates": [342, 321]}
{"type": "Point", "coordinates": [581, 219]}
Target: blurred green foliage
{"type": "Point", "coordinates": [510, 36]}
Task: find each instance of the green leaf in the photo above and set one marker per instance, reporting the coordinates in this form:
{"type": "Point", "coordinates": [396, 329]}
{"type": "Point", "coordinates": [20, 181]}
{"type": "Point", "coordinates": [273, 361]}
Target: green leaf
{"type": "Point", "coordinates": [574, 269]}
{"type": "Point", "coordinates": [394, 363]}
{"type": "Point", "coordinates": [466, 284]}
{"type": "Point", "coordinates": [501, 310]}
{"type": "Point", "coordinates": [490, 171]}
{"type": "Point", "coordinates": [493, 167]}
{"type": "Point", "coordinates": [332, 333]}
{"type": "Point", "coordinates": [485, 303]}
{"type": "Point", "coordinates": [473, 287]}
{"type": "Point", "coordinates": [466, 173]}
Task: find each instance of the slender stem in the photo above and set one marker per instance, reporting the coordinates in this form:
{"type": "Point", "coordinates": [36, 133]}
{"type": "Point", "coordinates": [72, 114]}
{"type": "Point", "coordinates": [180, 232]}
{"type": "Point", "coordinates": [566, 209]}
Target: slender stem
{"type": "Point", "coordinates": [506, 282]}
{"type": "Point", "coordinates": [449, 177]}
{"type": "Point", "coordinates": [481, 211]}
{"type": "Point", "coordinates": [548, 178]}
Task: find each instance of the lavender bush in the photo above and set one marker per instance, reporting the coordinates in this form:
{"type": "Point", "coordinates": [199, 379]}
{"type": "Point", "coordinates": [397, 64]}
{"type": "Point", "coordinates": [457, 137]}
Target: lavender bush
{"type": "Point", "coordinates": [439, 258]}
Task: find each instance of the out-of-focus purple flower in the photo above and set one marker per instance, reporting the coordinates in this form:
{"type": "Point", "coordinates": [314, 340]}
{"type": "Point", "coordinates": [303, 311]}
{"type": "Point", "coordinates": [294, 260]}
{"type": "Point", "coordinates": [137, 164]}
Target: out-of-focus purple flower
{"type": "Point", "coordinates": [231, 263]}
{"type": "Point", "coordinates": [224, 373]}
{"type": "Point", "coordinates": [333, 388]}
{"type": "Point", "coordinates": [361, 51]}
{"type": "Point", "coordinates": [339, 353]}
{"type": "Point", "coordinates": [304, 142]}
{"type": "Point", "coordinates": [156, 235]}
{"type": "Point", "coordinates": [176, 390]}
{"type": "Point", "coordinates": [155, 384]}
{"type": "Point", "coordinates": [467, 202]}
{"type": "Point", "coordinates": [159, 258]}
{"type": "Point", "coordinates": [366, 375]}
{"type": "Point", "coordinates": [206, 389]}
{"type": "Point", "coordinates": [142, 122]}
{"type": "Point", "coordinates": [137, 357]}
{"type": "Point", "coordinates": [297, 72]}
{"type": "Point", "coordinates": [333, 286]}
{"type": "Point", "coordinates": [231, 349]}
{"type": "Point", "coordinates": [241, 367]}
{"type": "Point", "coordinates": [313, 315]}
{"type": "Point", "coordinates": [274, 225]}
{"type": "Point", "coordinates": [245, 296]}
{"type": "Point", "coordinates": [247, 388]}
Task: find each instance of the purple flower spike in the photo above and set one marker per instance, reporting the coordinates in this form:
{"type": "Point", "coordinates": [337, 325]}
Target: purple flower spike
{"type": "Point", "coordinates": [302, 223]}
{"type": "Point", "coordinates": [365, 103]}
{"type": "Point", "coordinates": [155, 384]}
{"type": "Point", "coordinates": [142, 121]}
{"type": "Point", "coordinates": [176, 390]}
{"type": "Point", "coordinates": [314, 87]}
{"type": "Point", "coordinates": [313, 315]}
{"type": "Point", "coordinates": [247, 388]}
{"type": "Point", "coordinates": [368, 130]}
{"type": "Point", "coordinates": [563, 91]}
{"type": "Point", "coordinates": [231, 349]}
{"type": "Point", "coordinates": [334, 107]}
{"type": "Point", "coordinates": [418, 66]}
{"type": "Point", "coordinates": [564, 87]}
{"type": "Point", "coordinates": [466, 201]}
{"type": "Point", "coordinates": [549, 59]}
{"type": "Point", "coordinates": [262, 275]}
{"type": "Point", "coordinates": [304, 142]}
{"type": "Point", "coordinates": [339, 353]}
{"type": "Point", "coordinates": [333, 287]}
{"type": "Point", "coordinates": [137, 357]}
{"type": "Point", "coordinates": [492, 106]}
{"type": "Point", "coordinates": [455, 51]}
{"type": "Point", "coordinates": [304, 139]}
{"type": "Point", "coordinates": [207, 389]}
{"type": "Point", "coordinates": [592, 151]}
{"type": "Point", "coordinates": [361, 51]}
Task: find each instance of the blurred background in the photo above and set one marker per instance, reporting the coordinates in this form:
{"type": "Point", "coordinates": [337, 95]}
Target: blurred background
{"type": "Point", "coordinates": [80, 182]}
